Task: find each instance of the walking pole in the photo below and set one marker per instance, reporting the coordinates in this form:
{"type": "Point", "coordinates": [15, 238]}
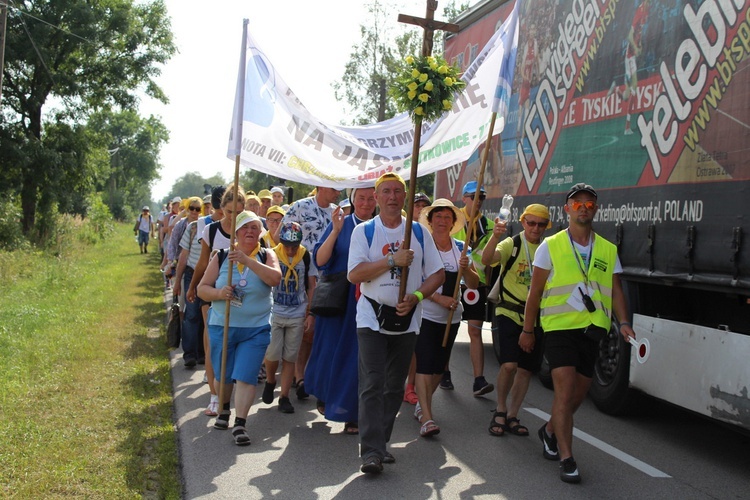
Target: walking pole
{"type": "Point", "coordinates": [472, 223]}
{"type": "Point", "coordinates": [235, 146]}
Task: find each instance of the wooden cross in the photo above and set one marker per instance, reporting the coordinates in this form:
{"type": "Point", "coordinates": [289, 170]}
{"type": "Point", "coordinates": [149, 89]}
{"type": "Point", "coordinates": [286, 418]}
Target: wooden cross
{"type": "Point", "coordinates": [429, 25]}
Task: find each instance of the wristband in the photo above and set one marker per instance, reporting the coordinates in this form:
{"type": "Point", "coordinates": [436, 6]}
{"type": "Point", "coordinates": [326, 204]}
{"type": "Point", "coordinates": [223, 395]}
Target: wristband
{"type": "Point", "coordinates": [391, 261]}
{"type": "Point", "coordinates": [624, 323]}
{"type": "Point", "coordinates": [419, 295]}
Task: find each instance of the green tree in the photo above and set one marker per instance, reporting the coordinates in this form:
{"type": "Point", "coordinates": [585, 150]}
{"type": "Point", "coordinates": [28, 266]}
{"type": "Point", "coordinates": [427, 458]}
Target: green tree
{"type": "Point", "coordinates": [133, 145]}
{"type": "Point", "coordinates": [80, 57]}
{"type": "Point", "coordinates": [194, 184]}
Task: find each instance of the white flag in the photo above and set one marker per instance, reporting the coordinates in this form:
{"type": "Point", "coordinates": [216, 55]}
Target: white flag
{"type": "Point", "coordinates": [280, 137]}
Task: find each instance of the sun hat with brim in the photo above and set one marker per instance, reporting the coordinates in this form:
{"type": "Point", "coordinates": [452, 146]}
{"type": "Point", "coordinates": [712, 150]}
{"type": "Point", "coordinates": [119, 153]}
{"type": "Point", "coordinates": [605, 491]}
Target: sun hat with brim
{"type": "Point", "coordinates": [443, 203]}
{"type": "Point", "coordinates": [537, 210]}
{"type": "Point", "coordinates": [245, 218]}
{"type": "Point", "coordinates": [581, 187]}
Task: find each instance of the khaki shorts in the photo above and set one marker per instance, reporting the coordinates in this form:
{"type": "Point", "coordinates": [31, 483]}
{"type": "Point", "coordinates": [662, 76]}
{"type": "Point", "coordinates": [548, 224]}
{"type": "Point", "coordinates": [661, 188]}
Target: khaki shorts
{"type": "Point", "coordinates": [286, 337]}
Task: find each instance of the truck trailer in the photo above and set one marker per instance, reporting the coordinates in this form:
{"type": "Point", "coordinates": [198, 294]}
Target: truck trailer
{"type": "Point", "coordinates": [648, 101]}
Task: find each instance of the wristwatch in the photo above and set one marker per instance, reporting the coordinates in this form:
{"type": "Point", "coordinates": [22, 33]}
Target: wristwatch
{"type": "Point", "coordinates": [391, 261]}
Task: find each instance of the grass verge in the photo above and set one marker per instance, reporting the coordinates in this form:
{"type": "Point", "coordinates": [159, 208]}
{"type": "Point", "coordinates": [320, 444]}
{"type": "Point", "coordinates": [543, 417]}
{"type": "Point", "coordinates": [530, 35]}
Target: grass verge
{"type": "Point", "coordinates": [86, 391]}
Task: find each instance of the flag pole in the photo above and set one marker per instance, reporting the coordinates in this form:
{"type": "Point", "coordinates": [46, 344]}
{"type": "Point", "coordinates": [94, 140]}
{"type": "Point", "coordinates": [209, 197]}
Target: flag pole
{"type": "Point", "coordinates": [500, 104]}
{"type": "Point", "coordinates": [236, 138]}
{"type": "Point", "coordinates": [472, 223]}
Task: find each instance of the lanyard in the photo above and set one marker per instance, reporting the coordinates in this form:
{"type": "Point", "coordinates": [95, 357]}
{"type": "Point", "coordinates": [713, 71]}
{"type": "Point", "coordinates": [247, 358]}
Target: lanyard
{"type": "Point", "coordinates": [579, 260]}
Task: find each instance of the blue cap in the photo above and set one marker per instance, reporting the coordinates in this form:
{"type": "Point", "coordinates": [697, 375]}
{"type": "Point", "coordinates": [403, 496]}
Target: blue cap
{"type": "Point", "coordinates": [471, 188]}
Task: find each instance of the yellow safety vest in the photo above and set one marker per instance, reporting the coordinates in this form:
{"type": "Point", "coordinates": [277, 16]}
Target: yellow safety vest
{"type": "Point", "coordinates": [567, 277]}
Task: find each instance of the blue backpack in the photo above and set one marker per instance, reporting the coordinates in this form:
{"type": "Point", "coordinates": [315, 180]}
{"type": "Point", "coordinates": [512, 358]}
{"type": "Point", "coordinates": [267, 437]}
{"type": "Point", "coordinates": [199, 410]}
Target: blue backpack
{"type": "Point", "coordinates": [370, 232]}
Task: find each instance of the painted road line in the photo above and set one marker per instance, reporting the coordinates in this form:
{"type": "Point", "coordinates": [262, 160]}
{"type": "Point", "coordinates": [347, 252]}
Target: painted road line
{"type": "Point", "coordinates": [606, 448]}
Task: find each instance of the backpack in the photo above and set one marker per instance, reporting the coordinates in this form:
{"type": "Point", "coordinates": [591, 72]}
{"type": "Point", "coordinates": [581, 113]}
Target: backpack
{"type": "Point", "coordinates": [498, 289]}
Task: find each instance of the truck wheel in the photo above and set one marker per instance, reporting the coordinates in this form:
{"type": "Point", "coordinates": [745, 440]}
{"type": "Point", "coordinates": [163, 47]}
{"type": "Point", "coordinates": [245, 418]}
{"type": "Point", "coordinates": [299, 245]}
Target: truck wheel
{"type": "Point", "coordinates": [610, 386]}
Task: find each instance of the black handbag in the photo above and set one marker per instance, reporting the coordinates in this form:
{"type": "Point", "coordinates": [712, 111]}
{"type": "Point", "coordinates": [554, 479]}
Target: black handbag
{"type": "Point", "coordinates": [331, 295]}
{"type": "Point", "coordinates": [174, 327]}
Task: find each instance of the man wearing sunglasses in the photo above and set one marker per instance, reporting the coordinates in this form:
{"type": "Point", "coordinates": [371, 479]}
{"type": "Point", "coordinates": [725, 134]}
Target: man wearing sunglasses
{"type": "Point", "coordinates": [474, 313]}
{"type": "Point", "coordinates": [515, 255]}
{"type": "Point", "coordinates": [577, 271]}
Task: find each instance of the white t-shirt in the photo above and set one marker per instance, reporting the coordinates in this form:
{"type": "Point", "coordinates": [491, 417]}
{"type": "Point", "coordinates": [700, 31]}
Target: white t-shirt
{"type": "Point", "coordinates": [193, 246]}
{"type": "Point", "coordinates": [144, 223]}
{"type": "Point", "coordinates": [221, 239]}
{"type": "Point", "coordinates": [433, 311]}
{"type": "Point", "coordinates": [384, 288]}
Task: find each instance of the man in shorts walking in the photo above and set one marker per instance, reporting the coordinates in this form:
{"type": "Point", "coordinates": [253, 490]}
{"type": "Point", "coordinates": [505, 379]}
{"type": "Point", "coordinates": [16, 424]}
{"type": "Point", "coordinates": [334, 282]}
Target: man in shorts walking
{"type": "Point", "coordinates": [575, 285]}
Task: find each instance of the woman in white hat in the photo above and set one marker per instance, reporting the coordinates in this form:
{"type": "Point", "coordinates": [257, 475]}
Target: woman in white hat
{"type": "Point", "coordinates": [254, 272]}
{"type": "Point", "coordinates": [443, 219]}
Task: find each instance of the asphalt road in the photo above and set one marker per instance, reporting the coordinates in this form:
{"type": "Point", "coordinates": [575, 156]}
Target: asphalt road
{"type": "Point", "coordinates": [661, 452]}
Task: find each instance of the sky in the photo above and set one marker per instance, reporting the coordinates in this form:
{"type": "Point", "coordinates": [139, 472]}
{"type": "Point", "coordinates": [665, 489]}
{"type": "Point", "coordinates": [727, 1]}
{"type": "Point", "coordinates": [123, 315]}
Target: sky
{"type": "Point", "coordinates": [308, 43]}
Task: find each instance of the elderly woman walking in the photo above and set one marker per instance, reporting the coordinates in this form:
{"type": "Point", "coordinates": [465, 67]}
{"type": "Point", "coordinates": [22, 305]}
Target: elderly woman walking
{"type": "Point", "coordinates": [255, 273]}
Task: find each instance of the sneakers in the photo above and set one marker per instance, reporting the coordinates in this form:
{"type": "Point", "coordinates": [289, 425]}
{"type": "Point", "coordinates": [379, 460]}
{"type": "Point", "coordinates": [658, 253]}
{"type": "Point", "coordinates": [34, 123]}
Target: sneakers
{"type": "Point", "coordinates": [301, 394]}
{"type": "Point", "coordinates": [285, 406]}
{"type": "Point", "coordinates": [410, 396]}
{"type": "Point", "coordinates": [446, 383]}
{"type": "Point", "coordinates": [372, 465]}
{"type": "Point", "coordinates": [549, 443]}
{"type": "Point", "coordinates": [268, 392]}
{"type": "Point", "coordinates": [481, 387]}
{"type": "Point", "coordinates": [569, 471]}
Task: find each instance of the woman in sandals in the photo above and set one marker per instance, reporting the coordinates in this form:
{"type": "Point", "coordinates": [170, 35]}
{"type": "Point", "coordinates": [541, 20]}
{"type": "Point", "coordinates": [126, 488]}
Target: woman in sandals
{"type": "Point", "coordinates": [516, 366]}
{"type": "Point", "coordinates": [255, 271]}
{"type": "Point", "coordinates": [443, 219]}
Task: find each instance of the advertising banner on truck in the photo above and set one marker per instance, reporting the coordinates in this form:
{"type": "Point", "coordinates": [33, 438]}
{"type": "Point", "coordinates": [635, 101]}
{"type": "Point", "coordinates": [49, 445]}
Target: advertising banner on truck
{"type": "Point", "coordinates": [646, 100]}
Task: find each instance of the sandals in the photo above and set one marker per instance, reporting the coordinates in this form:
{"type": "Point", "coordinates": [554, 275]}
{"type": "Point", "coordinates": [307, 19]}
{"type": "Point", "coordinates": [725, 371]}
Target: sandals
{"type": "Point", "coordinates": [212, 409]}
{"type": "Point", "coordinates": [418, 412]}
{"type": "Point", "coordinates": [496, 428]}
{"type": "Point", "coordinates": [518, 429]}
{"type": "Point", "coordinates": [222, 421]}
{"type": "Point", "coordinates": [241, 437]}
{"type": "Point", "coordinates": [429, 428]}
{"type": "Point", "coordinates": [351, 428]}
{"type": "Point", "coordinates": [321, 407]}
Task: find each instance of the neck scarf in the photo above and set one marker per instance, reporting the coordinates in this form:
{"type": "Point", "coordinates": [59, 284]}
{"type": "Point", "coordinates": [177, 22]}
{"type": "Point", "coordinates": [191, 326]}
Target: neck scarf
{"type": "Point", "coordinates": [290, 266]}
{"type": "Point", "coordinates": [252, 255]}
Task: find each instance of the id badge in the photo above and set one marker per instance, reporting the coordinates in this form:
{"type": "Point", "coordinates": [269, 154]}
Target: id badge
{"type": "Point", "coordinates": [237, 297]}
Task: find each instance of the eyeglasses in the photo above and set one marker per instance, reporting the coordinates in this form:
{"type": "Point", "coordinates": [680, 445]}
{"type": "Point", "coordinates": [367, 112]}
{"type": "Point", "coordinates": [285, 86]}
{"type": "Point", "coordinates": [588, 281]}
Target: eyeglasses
{"type": "Point", "coordinates": [195, 209]}
{"type": "Point", "coordinates": [482, 196]}
{"type": "Point", "coordinates": [531, 223]}
{"type": "Point", "coordinates": [576, 205]}
{"type": "Point", "coordinates": [275, 221]}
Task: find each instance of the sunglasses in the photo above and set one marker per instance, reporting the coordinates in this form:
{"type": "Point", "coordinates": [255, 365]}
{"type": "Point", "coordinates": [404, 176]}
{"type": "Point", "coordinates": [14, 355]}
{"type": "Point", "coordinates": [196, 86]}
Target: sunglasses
{"type": "Point", "coordinates": [482, 196]}
{"type": "Point", "coordinates": [576, 205]}
{"type": "Point", "coordinates": [531, 223]}
{"type": "Point", "coordinates": [275, 221]}
{"type": "Point", "coordinates": [195, 209]}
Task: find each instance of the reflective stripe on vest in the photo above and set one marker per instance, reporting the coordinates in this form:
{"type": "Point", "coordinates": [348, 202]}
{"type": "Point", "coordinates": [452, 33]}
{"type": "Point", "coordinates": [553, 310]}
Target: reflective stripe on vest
{"type": "Point", "coordinates": [566, 277]}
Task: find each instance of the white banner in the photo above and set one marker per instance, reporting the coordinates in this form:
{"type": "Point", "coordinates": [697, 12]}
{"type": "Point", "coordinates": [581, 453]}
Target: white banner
{"type": "Point", "coordinates": [279, 136]}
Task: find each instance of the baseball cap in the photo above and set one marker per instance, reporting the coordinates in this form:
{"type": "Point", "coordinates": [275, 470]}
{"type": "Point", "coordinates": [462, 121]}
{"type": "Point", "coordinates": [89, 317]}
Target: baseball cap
{"type": "Point", "coordinates": [176, 199]}
{"type": "Point", "coordinates": [421, 197]}
{"type": "Point", "coordinates": [207, 200]}
{"type": "Point", "coordinates": [471, 188]}
{"type": "Point", "coordinates": [145, 207]}
{"type": "Point", "coordinates": [264, 194]}
{"type": "Point", "coordinates": [277, 189]}
{"type": "Point", "coordinates": [275, 209]}
{"type": "Point", "coordinates": [580, 187]}
{"type": "Point", "coordinates": [290, 233]}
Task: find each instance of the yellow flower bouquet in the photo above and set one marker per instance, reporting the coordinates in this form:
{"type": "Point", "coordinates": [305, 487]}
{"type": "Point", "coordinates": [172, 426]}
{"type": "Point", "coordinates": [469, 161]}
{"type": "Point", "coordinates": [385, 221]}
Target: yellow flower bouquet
{"type": "Point", "coordinates": [426, 87]}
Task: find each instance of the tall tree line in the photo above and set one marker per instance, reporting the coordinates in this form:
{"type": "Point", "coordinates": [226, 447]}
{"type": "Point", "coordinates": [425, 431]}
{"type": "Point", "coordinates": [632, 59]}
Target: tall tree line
{"type": "Point", "coordinates": [70, 127]}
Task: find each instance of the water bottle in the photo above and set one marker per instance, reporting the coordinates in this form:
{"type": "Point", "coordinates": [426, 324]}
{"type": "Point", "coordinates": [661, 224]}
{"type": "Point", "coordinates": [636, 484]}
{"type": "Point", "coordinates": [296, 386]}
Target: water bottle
{"type": "Point", "coordinates": [505, 210]}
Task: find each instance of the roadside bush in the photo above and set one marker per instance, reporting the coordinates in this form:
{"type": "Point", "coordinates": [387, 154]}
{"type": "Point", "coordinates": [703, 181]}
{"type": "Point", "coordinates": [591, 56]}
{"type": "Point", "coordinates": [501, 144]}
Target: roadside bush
{"type": "Point", "coordinates": [99, 224]}
{"type": "Point", "coordinates": [11, 232]}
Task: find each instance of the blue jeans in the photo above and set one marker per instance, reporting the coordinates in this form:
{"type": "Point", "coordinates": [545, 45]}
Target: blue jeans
{"type": "Point", "coordinates": [192, 322]}
{"type": "Point", "coordinates": [383, 366]}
